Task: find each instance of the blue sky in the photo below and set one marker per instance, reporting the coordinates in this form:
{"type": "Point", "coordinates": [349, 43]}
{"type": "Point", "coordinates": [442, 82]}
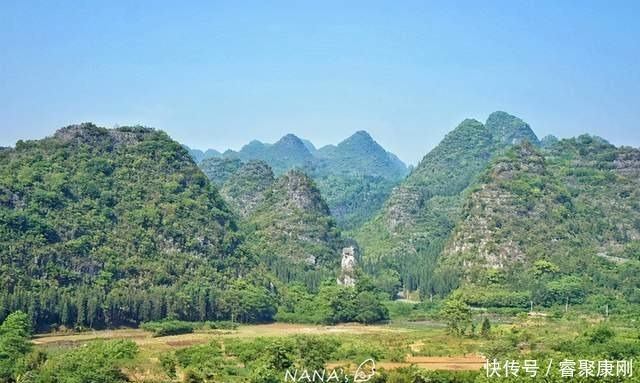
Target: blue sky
{"type": "Point", "coordinates": [218, 74]}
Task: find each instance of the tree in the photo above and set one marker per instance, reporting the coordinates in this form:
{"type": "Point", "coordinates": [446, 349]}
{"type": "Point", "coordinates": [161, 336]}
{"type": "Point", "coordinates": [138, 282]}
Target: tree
{"type": "Point", "coordinates": [542, 267]}
{"type": "Point", "coordinates": [14, 344]}
{"type": "Point", "coordinates": [246, 302]}
{"type": "Point", "coordinates": [276, 358]}
{"type": "Point", "coordinates": [600, 334]}
{"type": "Point", "coordinates": [485, 330]}
{"type": "Point", "coordinates": [98, 361]}
{"type": "Point", "coordinates": [457, 315]}
{"type": "Point", "coordinates": [168, 363]}
{"type": "Point", "coordinates": [569, 289]}
{"type": "Point", "coordinates": [389, 282]}
{"type": "Point", "coordinates": [369, 309]}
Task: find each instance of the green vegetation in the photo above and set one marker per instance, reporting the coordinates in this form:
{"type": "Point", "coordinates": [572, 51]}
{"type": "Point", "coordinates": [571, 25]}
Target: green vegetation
{"type": "Point", "coordinates": [355, 177]}
{"type": "Point", "coordinates": [219, 170]}
{"type": "Point", "coordinates": [554, 227]}
{"type": "Point", "coordinates": [106, 227]}
{"type": "Point", "coordinates": [403, 351]}
{"type": "Point", "coordinates": [169, 327]}
{"type": "Point", "coordinates": [457, 315]}
{"type": "Point", "coordinates": [333, 304]}
{"type": "Point", "coordinates": [245, 190]}
{"type": "Point", "coordinates": [293, 232]}
{"type": "Point", "coordinates": [286, 154]}
{"type": "Point", "coordinates": [97, 361]}
{"type": "Point", "coordinates": [410, 232]}
{"type": "Point", "coordinates": [15, 346]}
{"type": "Point", "coordinates": [499, 245]}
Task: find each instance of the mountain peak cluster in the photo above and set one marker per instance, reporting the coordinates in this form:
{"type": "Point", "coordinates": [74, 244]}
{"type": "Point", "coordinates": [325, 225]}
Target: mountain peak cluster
{"type": "Point", "coordinates": [131, 224]}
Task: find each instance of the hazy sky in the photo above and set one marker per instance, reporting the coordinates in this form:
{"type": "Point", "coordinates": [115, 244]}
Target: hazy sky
{"type": "Point", "coordinates": [218, 74]}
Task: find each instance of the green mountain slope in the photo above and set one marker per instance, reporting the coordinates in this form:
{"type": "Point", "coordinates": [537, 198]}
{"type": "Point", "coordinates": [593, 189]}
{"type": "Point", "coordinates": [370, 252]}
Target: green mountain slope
{"type": "Point", "coordinates": [359, 154]}
{"type": "Point", "coordinates": [410, 231]}
{"type": "Point", "coordinates": [106, 227]}
{"type": "Point", "coordinates": [508, 130]}
{"type": "Point", "coordinates": [355, 177]}
{"type": "Point", "coordinates": [293, 231]}
{"type": "Point", "coordinates": [556, 226]}
{"type": "Point", "coordinates": [245, 189]}
{"type": "Point", "coordinates": [219, 170]}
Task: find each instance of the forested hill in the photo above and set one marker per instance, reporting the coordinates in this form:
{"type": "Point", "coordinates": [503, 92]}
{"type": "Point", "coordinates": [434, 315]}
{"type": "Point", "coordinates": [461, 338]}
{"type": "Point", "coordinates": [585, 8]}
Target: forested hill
{"type": "Point", "coordinates": [410, 231]}
{"type": "Point", "coordinates": [286, 222]}
{"type": "Point", "coordinates": [551, 226]}
{"type": "Point", "coordinates": [360, 154]}
{"type": "Point", "coordinates": [107, 227]}
{"type": "Point", "coordinates": [355, 176]}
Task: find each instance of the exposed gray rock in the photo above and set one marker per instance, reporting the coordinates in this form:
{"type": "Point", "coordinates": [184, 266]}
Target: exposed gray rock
{"type": "Point", "coordinates": [348, 267]}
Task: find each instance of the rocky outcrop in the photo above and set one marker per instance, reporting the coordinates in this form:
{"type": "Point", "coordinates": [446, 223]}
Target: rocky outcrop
{"type": "Point", "coordinates": [90, 134]}
{"type": "Point", "coordinates": [569, 204]}
{"type": "Point", "coordinates": [301, 192]}
{"type": "Point", "coordinates": [477, 239]}
{"type": "Point", "coordinates": [627, 163]}
{"type": "Point", "coordinates": [348, 264]}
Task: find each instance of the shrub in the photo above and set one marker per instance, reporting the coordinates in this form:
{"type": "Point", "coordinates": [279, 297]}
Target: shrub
{"type": "Point", "coordinates": [170, 327]}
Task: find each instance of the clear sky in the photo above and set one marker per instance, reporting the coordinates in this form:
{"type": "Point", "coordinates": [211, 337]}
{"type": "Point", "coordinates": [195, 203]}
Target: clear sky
{"type": "Point", "coordinates": [217, 74]}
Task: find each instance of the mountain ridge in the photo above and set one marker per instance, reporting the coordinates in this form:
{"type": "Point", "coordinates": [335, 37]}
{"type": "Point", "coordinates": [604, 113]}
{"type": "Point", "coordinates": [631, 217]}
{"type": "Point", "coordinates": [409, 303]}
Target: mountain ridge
{"type": "Point", "coordinates": [355, 176]}
{"type": "Point", "coordinates": [552, 225]}
{"type": "Point", "coordinates": [410, 231]}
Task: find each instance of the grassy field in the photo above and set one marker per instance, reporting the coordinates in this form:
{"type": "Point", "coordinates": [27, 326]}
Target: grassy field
{"type": "Point", "coordinates": [392, 345]}
{"type": "Point", "coordinates": [427, 344]}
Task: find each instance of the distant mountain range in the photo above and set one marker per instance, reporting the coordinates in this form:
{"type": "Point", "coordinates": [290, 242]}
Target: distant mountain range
{"type": "Point", "coordinates": [354, 176]}
{"type": "Point", "coordinates": [199, 155]}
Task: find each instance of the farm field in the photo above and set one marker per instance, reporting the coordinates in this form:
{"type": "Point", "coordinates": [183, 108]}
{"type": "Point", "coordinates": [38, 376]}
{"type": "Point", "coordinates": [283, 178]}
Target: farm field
{"type": "Point", "coordinates": [151, 345]}
{"type": "Point", "coordinates": [393, 346]}
{"type": "Point", "coordinates": [427, 345]}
